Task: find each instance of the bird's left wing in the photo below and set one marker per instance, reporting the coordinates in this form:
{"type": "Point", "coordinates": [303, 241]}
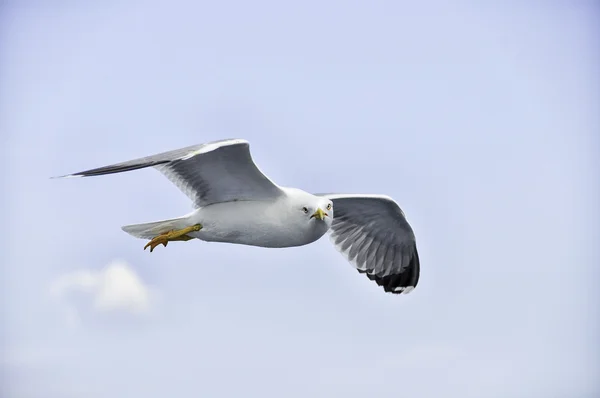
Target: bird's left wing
{"type": "Point", "coordinates": [219, 171]}
{"type": "Point", "coordinates": [373, 234]}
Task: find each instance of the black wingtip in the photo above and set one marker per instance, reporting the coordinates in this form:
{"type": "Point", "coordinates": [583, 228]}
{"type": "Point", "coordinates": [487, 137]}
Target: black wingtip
{"type": "Point", "coordinates": [403, 282]}
{"type": "Point", "coordinates": [65, 176]}
{"type": "Point", "coordinates": [112, 169]}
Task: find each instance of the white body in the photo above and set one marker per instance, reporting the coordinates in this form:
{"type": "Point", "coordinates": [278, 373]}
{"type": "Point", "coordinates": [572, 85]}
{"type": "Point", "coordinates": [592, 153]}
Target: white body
{"type": "Point", "coordinates": [256, 223]}
{"type": "Point", "coordinates": [283, 222]}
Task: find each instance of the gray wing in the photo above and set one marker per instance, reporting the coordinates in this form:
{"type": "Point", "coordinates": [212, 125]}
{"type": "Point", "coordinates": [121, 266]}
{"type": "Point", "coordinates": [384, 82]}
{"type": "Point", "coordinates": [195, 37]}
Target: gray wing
{"type": "Point", "coordinates": [373, 234]}
{"type": "Point", "coordinates": [219, 171]}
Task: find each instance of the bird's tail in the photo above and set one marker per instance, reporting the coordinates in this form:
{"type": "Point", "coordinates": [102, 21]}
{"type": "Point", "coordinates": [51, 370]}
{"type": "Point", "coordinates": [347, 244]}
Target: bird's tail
{"type": "Point", "coordinates": [153, 229]}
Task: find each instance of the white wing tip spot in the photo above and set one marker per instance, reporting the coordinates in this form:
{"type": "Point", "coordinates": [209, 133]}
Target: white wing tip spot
{"type": "Point", "coordinates": [404, 290]}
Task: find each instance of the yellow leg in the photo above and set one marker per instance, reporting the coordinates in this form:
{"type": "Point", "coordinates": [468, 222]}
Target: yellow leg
{"type": "Point", "coordinates": [173, 235]}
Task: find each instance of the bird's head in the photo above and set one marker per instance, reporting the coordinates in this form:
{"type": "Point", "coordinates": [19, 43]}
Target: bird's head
{"type": "Point", "coordinates": [314, 212]}
{"type": "Point", "coordinates": [318, 210]}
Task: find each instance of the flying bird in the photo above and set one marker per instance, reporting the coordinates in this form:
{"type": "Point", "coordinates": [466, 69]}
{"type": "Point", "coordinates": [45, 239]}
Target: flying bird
{"type": "Point", "coordinates": [234, 202]}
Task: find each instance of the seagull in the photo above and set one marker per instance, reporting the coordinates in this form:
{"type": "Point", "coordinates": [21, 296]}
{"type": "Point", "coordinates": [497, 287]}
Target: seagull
{"type": "Point", "coordinates": [234, 202]}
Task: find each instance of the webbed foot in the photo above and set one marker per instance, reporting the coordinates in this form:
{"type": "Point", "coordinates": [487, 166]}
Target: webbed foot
{"type": "Point", "coordinates": [173, 235]}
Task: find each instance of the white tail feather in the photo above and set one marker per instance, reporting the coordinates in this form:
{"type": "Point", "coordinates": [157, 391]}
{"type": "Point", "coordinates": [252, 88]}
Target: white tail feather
{"type": "Point", "coordinates": [152, 229]}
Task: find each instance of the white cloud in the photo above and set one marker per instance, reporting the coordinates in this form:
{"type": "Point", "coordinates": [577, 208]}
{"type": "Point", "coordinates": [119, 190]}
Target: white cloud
{"type": "Point", "coordinates": [116, 287]}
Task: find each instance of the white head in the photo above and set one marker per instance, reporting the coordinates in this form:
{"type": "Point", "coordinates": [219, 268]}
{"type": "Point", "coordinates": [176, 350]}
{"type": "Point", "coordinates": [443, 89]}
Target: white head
{"type": "Point", "coordinates": [316, 211]}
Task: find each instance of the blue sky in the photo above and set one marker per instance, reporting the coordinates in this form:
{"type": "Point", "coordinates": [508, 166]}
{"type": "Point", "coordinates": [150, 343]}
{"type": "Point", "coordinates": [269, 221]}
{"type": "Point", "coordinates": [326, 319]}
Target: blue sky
{"type": "Point", "coordinates": [481, 121]}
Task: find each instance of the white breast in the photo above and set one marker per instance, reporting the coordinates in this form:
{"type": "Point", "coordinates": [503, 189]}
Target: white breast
{"type": "Point", "coordinates": [257, 223]}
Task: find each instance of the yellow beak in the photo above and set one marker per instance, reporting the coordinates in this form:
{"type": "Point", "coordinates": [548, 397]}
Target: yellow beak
{"type": "Point", "coordinates": [320, 214]}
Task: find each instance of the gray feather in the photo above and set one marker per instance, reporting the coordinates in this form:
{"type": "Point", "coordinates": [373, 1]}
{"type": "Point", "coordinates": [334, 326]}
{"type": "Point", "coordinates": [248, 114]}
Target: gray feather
{"type": "Point", "coordinates": [373, 234]}
{"type": "Point", "coordinates": [219, 171]}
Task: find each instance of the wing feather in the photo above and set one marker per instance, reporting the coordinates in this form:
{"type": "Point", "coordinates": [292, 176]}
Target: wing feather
{"type": "Point", "coordinates": [219, 171]}
{"type": "Point", "coordinates": [372, 233]}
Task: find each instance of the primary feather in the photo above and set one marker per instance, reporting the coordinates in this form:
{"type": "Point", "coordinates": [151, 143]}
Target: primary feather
{"type": "Point", "coordinates": [373, 234]}
{"type": "Point", "coordinates": [215, 172]}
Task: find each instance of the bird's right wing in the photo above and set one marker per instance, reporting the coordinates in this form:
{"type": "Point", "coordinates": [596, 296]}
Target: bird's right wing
{"type": "Point", "coordinates": [219, 171]}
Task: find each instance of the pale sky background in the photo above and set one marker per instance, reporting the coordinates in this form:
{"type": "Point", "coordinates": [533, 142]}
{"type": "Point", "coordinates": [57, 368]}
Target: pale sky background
{"type": "Point", "coordinates": [481, 121]}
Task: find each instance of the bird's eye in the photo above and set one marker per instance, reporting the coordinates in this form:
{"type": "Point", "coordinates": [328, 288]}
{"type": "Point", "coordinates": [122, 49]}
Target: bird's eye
{"type": "Point", "coordinates": [329, 206]}
{"type": "Point", "coordinates": [305, 209]}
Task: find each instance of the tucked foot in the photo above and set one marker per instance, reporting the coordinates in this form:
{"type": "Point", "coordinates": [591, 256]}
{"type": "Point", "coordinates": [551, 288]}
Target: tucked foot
{"type": "Point", "coordinates": [173, 235]}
